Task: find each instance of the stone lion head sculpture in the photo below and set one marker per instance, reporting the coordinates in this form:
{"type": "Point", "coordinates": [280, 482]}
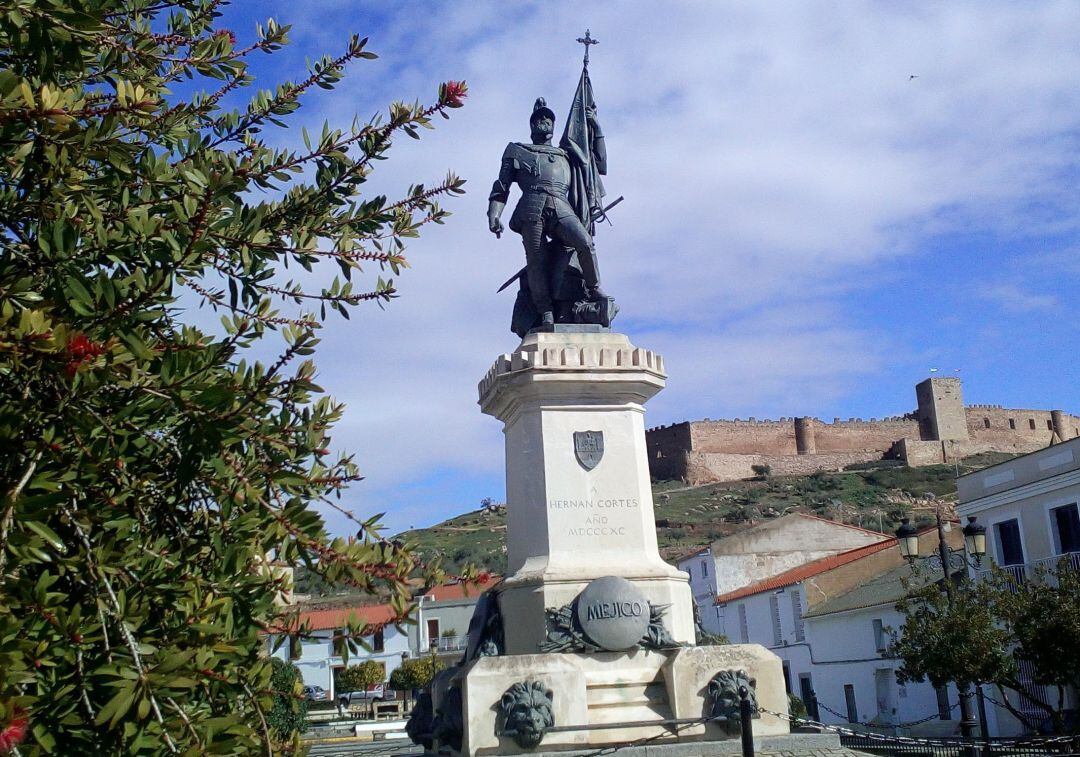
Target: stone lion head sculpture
{"type": "Point", "coordinates": [525, 713]}
{"type": "Point", "coordinates": [722, 698]}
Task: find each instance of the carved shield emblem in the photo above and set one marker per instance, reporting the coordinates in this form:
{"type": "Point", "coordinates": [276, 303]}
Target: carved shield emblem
{"type": "Point", "coordinates": [589, 448]}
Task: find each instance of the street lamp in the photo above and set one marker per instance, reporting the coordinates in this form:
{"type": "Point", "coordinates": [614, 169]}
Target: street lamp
{"type": "Point", "coordinates": [908, 538]}
{"type": "Point", "coordinates": [975, 541]}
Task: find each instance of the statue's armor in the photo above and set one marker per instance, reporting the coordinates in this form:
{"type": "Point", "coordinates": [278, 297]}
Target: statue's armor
{"type": "Point", "coordinates": [543, 173]}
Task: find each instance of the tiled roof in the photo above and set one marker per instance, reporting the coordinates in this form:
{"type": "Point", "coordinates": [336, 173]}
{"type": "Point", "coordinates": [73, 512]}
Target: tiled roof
{"type": "Point", "coordinates": [320, 619]}
{"type": "Point", "coordinates": [339, 617]}
{"type": "Point", "coordinates": [801, 573]}
{"type": "Point", "coordinates": [461, 590]}
{"type": "Point", "coordinates": [886, 588]}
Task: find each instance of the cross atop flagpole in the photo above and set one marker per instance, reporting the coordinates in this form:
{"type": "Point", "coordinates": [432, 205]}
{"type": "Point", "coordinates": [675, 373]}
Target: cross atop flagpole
{"type": "Point", "coordinates": [587, 40]}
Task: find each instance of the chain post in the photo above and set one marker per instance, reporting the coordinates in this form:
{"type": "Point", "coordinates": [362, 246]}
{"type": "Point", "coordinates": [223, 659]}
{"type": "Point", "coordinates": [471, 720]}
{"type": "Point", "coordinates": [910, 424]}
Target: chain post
{"type": "Point", "coordinates": [746, 723]}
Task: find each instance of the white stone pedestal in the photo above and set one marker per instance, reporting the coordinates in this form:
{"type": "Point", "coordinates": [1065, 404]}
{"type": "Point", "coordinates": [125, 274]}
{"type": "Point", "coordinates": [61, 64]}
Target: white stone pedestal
{"type": "Point", "coordinates": [575, 516]}
{"type": "Point", "coordinates": [568, 524]}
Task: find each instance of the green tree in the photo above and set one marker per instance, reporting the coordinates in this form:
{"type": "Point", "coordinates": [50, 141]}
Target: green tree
{"type": "Point", "coordinates": [415, 673]}
{"type": "Point", "coordinates": [288, 715]}
{"type": "Point", "coordinates": [149, 467]}
{"type": "Point", "coordinates": [988, 629]}
{"type": "Point", "coordinates": [358, 677]}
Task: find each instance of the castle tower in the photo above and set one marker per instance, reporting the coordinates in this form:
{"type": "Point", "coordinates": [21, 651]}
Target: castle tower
{"type": "Point", "coordinates": [805, 441]}
{"type": "Point", "coordinates": [941, 410]}
{"type": "Point", "coordinates": [1057, 418]}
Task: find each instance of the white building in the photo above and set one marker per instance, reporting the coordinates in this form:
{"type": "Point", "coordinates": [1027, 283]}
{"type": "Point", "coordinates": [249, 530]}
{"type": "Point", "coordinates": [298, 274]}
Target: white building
{"type": "Point", "coordinates": [318, 654]}
{"type": "Point", "coordinates": [1029, 506]}
{"type": "Point", "coordinates": [442, 620]}
{"type": "Point", "coordinates": [829, 620]}
{"type": "Point", "coordinates": [441, 624]}
{"type": "Point", "coordinates": [854, 676]}
{"type": "Point", "coordinates": [768, 549]}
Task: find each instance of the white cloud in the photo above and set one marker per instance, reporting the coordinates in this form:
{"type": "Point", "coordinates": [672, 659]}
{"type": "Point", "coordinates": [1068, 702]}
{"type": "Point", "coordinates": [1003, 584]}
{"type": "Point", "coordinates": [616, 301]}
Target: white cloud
{"type": "Point", "coordinates": [1014, 299]}
{"type": "Point", "coordinates": [773, 157]}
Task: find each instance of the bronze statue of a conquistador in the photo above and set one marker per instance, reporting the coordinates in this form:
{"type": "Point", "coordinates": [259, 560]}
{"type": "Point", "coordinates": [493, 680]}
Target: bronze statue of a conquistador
{"type": "Point", "coordinates": [551, 229]}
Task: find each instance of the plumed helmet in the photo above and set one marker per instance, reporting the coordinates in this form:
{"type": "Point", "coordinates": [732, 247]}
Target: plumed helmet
{"type": "Point", "coordinates": [540, 108]}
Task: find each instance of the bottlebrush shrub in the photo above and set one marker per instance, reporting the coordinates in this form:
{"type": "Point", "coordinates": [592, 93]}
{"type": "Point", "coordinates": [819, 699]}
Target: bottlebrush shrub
{"type": "Point", "coordinates": [148, 468]}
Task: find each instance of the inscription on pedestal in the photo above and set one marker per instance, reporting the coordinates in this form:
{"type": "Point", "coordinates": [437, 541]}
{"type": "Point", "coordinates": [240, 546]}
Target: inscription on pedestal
{"type": "Point", "coordinates": [599, 517]}
{"type": "Point", "coordinates": [613, 613]}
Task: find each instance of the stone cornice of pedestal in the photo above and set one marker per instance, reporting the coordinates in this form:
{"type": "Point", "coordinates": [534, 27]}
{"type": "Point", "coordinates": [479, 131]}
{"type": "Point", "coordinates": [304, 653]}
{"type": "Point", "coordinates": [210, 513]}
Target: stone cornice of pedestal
{"type": "Point", "coordinates": [568, 364]}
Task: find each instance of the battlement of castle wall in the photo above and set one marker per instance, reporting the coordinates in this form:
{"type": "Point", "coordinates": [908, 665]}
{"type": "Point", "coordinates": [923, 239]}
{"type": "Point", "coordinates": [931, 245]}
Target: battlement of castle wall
{"type": "Point", "coordinates": [675, 449]}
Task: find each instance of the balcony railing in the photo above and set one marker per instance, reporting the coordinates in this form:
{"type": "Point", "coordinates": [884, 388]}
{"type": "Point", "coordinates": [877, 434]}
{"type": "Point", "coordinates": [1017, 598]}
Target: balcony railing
{"type": "Point", "coordinates": [449, 644]}
{"type": "Point", "coordinates": [1029, 571]}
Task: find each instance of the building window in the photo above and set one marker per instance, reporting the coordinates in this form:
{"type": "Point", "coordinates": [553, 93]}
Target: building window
{"type": "Point", "coordinates": [340, 642]}
{"type": "Point", "coordinates": [774, 608]}
{"type": "Point", "coordinates": [704, 569]}
{"type": "Point", "coordinates": [1010, 550]}
{"type": "Point", "coordinates": [1012, 423]}
{"type": "Point", "coordinates": [796, 611]}
{"type": "Point", "coordinates": [744, 628]}
{"type": "Point", "coordinates": [690, 571]}
{"type": "Point", "coordinates": [296, 648]}
{"type": "Point", "coordinates": [378, 643]}
{"type": "Point", "coordinates": [1031, 422]}
{"type": "Point", "coordinates": [944, 709]}
{"type": "Point", "coordinates": [852, 706]}
{"type": "Point", "coordinates": [986, 422]}
{"type": "Point", "coordinates": [880, 637]}
{"type": "Point", "coordinates": [806, 693]}
{"type": "Point", "coordinates": [787, 677]}
{"type": "Point", "coordinates": [1066, 522]}
{"type": "Point", "coordinates": [432, 631]}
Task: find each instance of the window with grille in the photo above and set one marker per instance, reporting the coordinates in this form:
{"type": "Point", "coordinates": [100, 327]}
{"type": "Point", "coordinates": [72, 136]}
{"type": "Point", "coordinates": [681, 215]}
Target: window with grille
{"type": "Point", "coordinates": [880, 637]}
{"type": "Point", "coordinates": [744, 628]}
{"type": "Point", "coordinates": [796, 613]}
{"type": "Point", "coordinates": [852, 705]}
{"type": "Point", "coordinates": [1066, 522]}
{"type": "Point", "coordinates": [1008, 541]}
{"type": "Point", "coordinates": [774, 607]}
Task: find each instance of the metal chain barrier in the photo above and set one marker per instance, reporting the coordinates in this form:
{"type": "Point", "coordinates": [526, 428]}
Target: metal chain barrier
{"type": "Point", "coordinates": [912, 740]}
{"type": "Point", "coordinates": [908, 724]}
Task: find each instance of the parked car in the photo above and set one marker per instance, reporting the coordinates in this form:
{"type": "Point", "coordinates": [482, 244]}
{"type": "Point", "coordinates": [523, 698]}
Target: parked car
{"type": "Point", "coordinates": [314, 693]}
{"type": "Point", "coordinates": [379, 692]}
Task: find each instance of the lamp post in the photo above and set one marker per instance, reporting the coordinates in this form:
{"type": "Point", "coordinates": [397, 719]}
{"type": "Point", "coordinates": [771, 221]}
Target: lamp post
{"type": "Point", "coordinates": [975, 545]}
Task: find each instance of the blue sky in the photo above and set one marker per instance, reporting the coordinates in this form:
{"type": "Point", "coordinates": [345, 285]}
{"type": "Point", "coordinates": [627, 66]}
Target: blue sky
{"type": "Point", "coordinates": [807, 229]}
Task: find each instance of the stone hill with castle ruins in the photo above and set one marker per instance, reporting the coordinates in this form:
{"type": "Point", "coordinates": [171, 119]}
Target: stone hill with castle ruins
{"type": "Point", "coordinates": [941, 430]}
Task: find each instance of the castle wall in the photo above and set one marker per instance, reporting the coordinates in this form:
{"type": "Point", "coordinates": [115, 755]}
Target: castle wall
{"type": "Point", "coordinates": [1018, 428]}
{"type": "Point", "coordinates": [668, 447]}
{"type": "Point", "coordinates": [705, 467]}
{"type": "Point", "coordinates": [942, 429]}
{"type": "Point", "coordinates": [863, 436]}
{"type": "Point", "coordinates": [744, 437]}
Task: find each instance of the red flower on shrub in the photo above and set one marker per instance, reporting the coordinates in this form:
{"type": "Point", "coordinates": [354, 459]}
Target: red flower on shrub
{"type": "Point", "coordinates": [79, 350]}
{"type": "Point", "coordinates": [453, 92]}
{"type": "Point", "coordinates": [226, 33]}
{"type": "Point", "coordinates": [14, 732]}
